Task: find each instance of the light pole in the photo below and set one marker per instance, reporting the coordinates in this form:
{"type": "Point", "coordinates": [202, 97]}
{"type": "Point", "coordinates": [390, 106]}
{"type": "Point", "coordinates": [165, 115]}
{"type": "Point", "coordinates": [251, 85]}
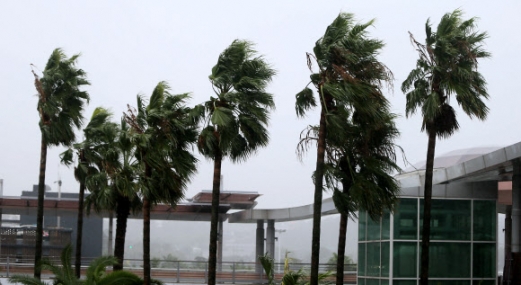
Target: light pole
{"type": "Point", "coordinates": [59, 182]}
{"type": "Point", "coordinates": [277, 238]}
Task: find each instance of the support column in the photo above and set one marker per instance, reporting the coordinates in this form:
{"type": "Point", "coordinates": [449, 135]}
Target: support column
{"type": "Point", "coordinates": [220, 245]}
{"type": "Point", "coordinates": [507, 269]}
{"type": "Point", "coordinates": [111, 237]}
{"type": "Point", "coordinates": [259, 245]}
{"type": "Point", "coordinates": [270, 238]}
{"type": "Point", "coordinates": [516, 222]}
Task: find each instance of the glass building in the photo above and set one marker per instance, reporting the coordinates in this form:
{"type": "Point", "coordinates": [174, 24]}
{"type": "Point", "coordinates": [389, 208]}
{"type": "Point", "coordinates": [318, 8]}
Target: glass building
{"type": "Point", "coordinates": [463, 238]}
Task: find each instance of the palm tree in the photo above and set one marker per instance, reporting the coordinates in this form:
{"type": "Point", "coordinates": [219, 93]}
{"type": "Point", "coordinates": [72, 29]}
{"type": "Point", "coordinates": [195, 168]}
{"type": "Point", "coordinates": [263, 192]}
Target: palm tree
{"type": "Point", "coordinates": [162, 133]}
{"type": "Point", "coordinates": [60, 104]}
{"type": "Point", "coordinates": [99, 135]}
{"type": "Point", "coordinates": [447, 65]}
{"type": "Point", "coordinates": [115, 187]}
{"type": "Point", "coordinates": [96, 273]}
{"type": "Point", "coordinates": [362, 163]}
{"type": "Point", "coordinates": [348, 81]}
{"type": "Point", "coordinates": [235, 119]}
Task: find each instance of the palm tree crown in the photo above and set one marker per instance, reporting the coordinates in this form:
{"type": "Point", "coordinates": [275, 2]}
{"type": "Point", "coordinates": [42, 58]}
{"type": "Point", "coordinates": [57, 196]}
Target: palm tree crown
{"type": "Point", "coordinates": [60, 100]}
{"type": "Point", "coordinates": [447, 65]}
{"type": "Point", "coordinates": [239, 112]}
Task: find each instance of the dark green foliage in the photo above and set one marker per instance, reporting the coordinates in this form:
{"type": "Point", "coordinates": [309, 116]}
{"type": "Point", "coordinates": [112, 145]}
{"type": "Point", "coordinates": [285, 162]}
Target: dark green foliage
{"type": "Point", "coordinates": [447, 65]}
{"type": "Point", "coordinates": [236, 119]}
{"type": "Point", "coordinates": [162, 133]}
{"type": "Point", "coordinates": [96, 273]}
{"type": "Point", "coordinates": [60, 100]}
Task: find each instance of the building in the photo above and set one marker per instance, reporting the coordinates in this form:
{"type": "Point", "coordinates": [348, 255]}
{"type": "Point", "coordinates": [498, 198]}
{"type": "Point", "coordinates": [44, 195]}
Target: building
{"type": "Point", "coordinates": [463, 247]}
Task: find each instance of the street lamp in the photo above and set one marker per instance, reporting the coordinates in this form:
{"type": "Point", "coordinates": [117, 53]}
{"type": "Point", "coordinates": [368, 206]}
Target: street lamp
{"type": "Point", "coordinates": [279, 231]}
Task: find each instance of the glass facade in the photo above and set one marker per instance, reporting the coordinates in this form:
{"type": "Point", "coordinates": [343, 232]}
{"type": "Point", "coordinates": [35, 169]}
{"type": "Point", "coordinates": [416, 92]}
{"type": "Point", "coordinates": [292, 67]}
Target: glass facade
{"type": "Point", "coordinates": [462, 249]}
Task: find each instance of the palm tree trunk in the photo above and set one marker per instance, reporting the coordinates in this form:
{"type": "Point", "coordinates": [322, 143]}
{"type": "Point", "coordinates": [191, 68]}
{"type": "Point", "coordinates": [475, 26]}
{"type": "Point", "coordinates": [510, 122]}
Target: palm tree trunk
{"type": "Point", "coordinates": [212, 257]}
{"type": "Point", "coordinates": [79, 231]}
{"type": "Point", "coordinates": [39, 215]}
{"type": "Point", "coordinates": [342, 232]}
{"type": "Point", "coordinates": [146, 232]}
{"type": "Point", "coordinates": [427, 201]}
{"type": "Point", "coordinates": [341, 250]}
{"type": "Point", "coordinates": [317, 206]}
{"type": "Point", "coordinates": [122, 212]}
{"type": "Point", "coordinates": [146, 241]}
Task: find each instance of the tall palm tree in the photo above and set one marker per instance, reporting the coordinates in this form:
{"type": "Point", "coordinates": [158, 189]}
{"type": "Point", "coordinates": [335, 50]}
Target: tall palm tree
{"type": "Point", "coordinates": [60, 106]}
{"type": "Point", "coordinates": [362, 163]}
{"type": "Point", "coordinates": [162, 132]}
{"type": "Point", "coordinates": [447, 65]}
{"type": "Point", "coordinates": [99, 134]}
{"type": "Point", "coordinates": [235, 119]}
{"type": "Point", "coordinates": [348, 74]}
{"type": "Point", "coordinates": [115, 187]}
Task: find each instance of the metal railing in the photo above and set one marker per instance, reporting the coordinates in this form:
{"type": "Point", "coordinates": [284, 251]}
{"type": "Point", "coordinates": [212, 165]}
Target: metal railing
{"type": "Point", "coordinates": [182, 271]}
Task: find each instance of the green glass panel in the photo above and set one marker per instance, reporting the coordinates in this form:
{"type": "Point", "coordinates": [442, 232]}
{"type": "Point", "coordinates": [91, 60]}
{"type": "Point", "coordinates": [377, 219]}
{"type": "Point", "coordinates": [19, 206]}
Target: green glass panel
{"type": "Point", "coordinates": [372, 282]}
{"type": "Point", "coordinates": [483, 282]}
{"type": "Point", "coordinates": [373, 259]}
{"type": "Point", "coordinates": [386, 225]}
{"type": "Point", "coordinates": [450, 219]}
{"type": "Point", "coordinates": [384, 281]}
{"type": "Point", "coordinates": [386, 251]}
{"type": "Point", "coordinates": [449, 260]}
{"type": "Point", "coordinates": [404, 282]}
{"type": "Point", "coordinates": [362, 217]}
{"type": "Point", "coordinates": [449, 282]}
{"type": "Point", "coordinates": [485, 220]}
{"type": "Point", "coordinates": [361, 281]}
{"type": "Point", "coordinates": [484, 257]}
{"type": "Point", "coordinates": [406, 219]}
{"type": "Point", "coordinates": [361, 259]}
{"type": "Point", "coordinates": [404, 259]}
{"type": "Point", "coordinates": [373, 229]}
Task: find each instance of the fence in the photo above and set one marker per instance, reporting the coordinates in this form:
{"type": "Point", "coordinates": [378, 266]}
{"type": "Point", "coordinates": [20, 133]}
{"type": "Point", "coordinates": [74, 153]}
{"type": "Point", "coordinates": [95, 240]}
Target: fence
{"type": "Point", "coordinates": [190, 271]}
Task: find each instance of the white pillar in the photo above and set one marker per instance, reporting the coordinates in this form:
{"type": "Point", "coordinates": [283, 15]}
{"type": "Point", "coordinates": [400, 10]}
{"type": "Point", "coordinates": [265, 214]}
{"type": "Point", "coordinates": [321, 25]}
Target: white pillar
{"type": "Point", "coordinates": [111, 238]}
{"type": "Point", "coordinates": [516, 206]}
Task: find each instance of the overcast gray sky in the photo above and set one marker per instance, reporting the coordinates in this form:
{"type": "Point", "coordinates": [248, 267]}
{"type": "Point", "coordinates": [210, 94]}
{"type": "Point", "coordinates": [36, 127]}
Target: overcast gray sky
{"type": "Point", "coordinates": [127, 47]}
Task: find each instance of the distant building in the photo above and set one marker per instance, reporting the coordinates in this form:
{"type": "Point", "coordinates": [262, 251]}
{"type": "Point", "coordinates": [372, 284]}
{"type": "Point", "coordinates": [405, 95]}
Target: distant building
{"type": "Point", "coordinates": [92, 225]}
